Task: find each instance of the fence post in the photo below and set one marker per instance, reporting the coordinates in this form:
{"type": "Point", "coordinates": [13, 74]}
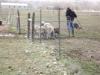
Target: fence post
{"type": "Point", "coordinates": [59, 53]}
{"type": "Point", "coordinates": [40, 23]}
{"type": "Point", "coordinates": [18, 22]}
{"type": "Point", "coordinates": [33, 21]}
{"type": "Point", "coordinates": [28, 26]}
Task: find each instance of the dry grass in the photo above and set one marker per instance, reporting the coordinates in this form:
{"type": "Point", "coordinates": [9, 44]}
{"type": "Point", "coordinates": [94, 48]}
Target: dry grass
{"type": "Point", "coordinates": [79, 55]}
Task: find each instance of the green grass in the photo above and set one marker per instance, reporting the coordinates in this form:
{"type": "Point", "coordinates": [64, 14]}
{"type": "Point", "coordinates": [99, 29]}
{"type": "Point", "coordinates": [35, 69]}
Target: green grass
{"type": "Point", "coordinates": [90, 68]}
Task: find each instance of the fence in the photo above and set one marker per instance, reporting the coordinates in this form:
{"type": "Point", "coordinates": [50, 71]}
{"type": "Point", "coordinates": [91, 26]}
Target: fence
{"type": "Point", "coordinates": [55, 17]}
{"type": "Point", "coordinates": [47, 15]}
{"type": "Point", "coordinates": [18, 21]}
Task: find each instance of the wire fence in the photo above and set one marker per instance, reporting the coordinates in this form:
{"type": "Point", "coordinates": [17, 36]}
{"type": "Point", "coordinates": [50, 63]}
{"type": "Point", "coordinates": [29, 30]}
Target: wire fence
{"type": "Point", "coordinates": [55, 17]}
{"type": "Point", "coordinates": [18, 21]}
{"type": "Point", "coordinates": [50, 16]}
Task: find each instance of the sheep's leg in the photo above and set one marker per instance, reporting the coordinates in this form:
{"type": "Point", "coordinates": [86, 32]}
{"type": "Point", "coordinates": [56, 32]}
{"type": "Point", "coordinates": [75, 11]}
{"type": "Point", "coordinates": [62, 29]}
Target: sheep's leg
{"type": "Point", "coordinates": [39, 35]}
{"type": "Point", "coordinates": [53, 35]}
{"type": "Point", "coordinates": [48, 35]}
{"type": "Point", "coordinates": [45, 35]}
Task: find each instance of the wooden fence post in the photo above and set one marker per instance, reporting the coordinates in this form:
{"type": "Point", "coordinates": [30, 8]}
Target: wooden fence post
{"type": "Point", "coordinates": [33, 22]}
{"type": "Point", "coordinates": [28, 26]}
{"type": "Point", "coordinates": [18, 22]}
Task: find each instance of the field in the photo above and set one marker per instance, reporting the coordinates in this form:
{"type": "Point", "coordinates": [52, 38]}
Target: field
{"type": "Point", "coordinates": [79, 55]}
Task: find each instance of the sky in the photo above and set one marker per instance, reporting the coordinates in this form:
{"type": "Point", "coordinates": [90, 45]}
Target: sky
{"type": "Point", "coordinates": [53, 0]}
{"type": "Point", "coordinates": [62, 0]}
{"type": "Point", "coordinates": [56, 2]}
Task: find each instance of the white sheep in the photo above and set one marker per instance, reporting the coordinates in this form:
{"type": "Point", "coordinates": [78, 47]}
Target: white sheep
{"type": "Point", "coordinates": [37, 31]}
{"type": "Point", "coordinates": [49, 30]}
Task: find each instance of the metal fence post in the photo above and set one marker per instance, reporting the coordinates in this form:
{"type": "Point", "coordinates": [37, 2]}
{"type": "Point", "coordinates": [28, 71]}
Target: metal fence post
{"type": "Point", "coordinates": [59, 53]}
{"type": "Point", "coordinates": [40, 24]}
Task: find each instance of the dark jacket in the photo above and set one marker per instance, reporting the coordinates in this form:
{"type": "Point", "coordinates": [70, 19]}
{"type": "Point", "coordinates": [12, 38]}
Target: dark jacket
{"type": "Point", "coordinates": [70, 15]}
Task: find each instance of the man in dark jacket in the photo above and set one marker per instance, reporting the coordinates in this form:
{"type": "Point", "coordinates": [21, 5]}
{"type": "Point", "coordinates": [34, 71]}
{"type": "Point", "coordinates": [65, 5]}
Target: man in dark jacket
{"type": "Point", "coordinates": [70, 15]}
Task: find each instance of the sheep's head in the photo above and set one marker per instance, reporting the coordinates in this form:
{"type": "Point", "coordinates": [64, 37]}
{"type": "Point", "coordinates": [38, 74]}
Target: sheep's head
{"type": "Point", "coordinates": [57, 30]}
{"type": "Point", "coordinates": [42, 23]}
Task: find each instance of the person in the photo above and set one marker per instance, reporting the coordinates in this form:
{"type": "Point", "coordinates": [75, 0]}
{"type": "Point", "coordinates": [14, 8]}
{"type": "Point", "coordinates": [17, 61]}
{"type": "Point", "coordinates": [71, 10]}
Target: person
{"type": "Point", "coordinates": [70, 15]}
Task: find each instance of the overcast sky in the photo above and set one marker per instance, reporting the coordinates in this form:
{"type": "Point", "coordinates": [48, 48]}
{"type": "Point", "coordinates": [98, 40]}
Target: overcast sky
{"type": "Point", "coordinates": [62, 0]}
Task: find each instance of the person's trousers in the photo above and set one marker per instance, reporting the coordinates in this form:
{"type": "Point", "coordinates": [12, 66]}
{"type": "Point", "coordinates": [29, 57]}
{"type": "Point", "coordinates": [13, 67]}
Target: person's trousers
{"type": "Point", "coordinates": [70, 27]}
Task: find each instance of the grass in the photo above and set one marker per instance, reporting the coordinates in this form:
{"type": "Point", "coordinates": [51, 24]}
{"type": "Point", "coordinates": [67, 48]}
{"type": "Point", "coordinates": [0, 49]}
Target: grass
{"type": "Point", "coordinates": [19, 56]}
{"type": "Point", "coordinates": [91, 68]}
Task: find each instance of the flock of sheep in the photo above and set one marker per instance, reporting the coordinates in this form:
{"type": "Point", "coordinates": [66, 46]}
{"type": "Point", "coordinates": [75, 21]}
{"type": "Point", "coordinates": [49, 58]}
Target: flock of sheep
{"type": "Point", "coordinates": [46, 30]}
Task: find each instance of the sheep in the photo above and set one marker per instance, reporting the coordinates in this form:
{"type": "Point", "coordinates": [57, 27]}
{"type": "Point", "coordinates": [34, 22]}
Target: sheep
{"type": "Point", "coordinates": [37, 31]}
{"type": "Point", "coordinates": [49, 30]}
{"type": "Point", "coordinates": [56, 31]}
